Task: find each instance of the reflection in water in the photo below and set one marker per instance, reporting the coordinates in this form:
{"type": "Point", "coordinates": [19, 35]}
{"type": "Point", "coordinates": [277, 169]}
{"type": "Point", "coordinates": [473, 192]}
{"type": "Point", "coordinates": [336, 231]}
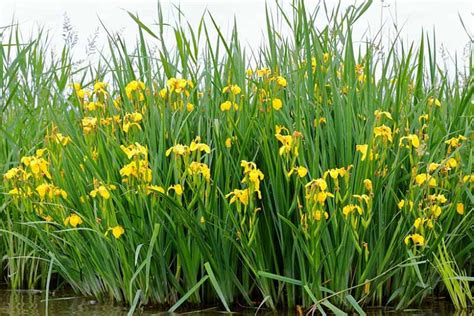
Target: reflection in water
{"type": "Point", "coordinates": [66, 303]}
{"type": "Point", "coordinates": [32, 303]}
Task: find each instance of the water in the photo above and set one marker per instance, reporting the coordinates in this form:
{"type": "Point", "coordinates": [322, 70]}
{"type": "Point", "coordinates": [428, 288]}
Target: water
{"type": "Point", "coordinates": [32, 303]}
{"type": "Point", "coordinates": [16, 303]}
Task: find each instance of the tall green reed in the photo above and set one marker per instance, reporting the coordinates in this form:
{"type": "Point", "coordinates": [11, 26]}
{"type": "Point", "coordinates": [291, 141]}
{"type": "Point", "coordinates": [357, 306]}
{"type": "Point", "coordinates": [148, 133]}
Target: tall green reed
{"type": "Point", "coordinates": [197, 246]}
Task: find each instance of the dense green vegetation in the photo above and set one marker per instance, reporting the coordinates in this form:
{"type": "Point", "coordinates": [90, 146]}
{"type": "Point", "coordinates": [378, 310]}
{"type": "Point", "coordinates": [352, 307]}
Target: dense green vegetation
{"type": "Point", "coordinates": [306, 172]}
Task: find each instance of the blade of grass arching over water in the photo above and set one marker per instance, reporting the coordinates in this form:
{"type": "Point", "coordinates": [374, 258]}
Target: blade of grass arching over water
{"type": "Point", "coordinates": [135, 302]}
{"type": "Point", "coordinates": [185, 297]}
{"type": "Point", "coordinates": [216, 286]}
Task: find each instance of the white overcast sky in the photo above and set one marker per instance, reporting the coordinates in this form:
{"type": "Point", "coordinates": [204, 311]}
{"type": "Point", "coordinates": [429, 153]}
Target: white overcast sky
{"type": "Point", "coordinates": [412, 15]}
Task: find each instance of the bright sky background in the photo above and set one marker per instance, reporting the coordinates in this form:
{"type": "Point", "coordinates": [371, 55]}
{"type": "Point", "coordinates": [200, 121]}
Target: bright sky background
{"type": "Point", "coordinates": [411, 15]}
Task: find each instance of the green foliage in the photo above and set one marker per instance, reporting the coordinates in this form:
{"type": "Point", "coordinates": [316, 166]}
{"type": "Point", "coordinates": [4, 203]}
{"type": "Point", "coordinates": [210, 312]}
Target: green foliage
{"type": "Point", "coordinates": [456, 283]}
{"type": "Point", "coordinates": [321, 235]}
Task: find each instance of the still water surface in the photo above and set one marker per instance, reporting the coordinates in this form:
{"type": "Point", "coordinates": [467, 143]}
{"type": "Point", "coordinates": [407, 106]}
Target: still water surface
{"type": "Point", "coordinates": [18, 303]}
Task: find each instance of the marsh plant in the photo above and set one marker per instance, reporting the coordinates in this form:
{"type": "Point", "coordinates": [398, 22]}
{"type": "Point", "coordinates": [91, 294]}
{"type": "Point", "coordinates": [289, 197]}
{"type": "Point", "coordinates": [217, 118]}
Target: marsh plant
{"type": "Point", "coordinates": [307, 173]}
